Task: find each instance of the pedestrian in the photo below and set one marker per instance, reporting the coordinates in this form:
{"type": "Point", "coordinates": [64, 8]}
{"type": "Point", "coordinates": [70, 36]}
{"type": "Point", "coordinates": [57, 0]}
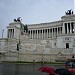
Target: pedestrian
{"type": "Point", "coordinates": [42, 63]}
{"type": "Point", "coordinates": [33, 61]}
{"type": "Point", "coordinates": [73, 56]}
{"type": "Point", "coordinates": [33, 64]}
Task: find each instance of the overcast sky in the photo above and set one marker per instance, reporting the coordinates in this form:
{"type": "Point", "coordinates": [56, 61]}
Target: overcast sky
{"type": "Point", "coordinates": [32, 11]}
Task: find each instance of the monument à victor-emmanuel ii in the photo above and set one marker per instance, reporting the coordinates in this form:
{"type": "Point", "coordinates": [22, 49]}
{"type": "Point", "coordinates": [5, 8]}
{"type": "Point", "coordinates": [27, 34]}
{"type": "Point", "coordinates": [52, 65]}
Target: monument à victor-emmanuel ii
{"type": "Point", "coordinates": [50, 41]}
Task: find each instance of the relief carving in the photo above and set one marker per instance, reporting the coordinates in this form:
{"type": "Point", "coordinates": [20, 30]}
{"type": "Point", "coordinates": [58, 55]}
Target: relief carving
{"type": "Point", "coordinates": [48, 44]}
{"type": "Point", "coordinates": [39, 48]}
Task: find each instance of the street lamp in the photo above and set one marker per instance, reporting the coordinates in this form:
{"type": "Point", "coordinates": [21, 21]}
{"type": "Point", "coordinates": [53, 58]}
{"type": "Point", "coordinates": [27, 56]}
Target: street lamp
{"type": "Point", "coordinates": [2, 32]}
{"type": "Point", "coordinates": [18, 50]}
{"type": "Point", "coordinates": [18, 47]}
{"type": "Point", "coordinates": [18, 44]}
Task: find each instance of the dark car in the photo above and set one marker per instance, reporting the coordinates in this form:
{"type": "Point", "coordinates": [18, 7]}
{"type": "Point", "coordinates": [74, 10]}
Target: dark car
{"type": "Point", "coordinates": [70, 63]}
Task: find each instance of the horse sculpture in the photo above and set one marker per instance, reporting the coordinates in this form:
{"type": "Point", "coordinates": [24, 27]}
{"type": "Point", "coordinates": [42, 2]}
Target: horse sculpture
{"type": "Point", "coordinates": [69, 12]}
{"type": "Point", "coordinates": [18, 19]}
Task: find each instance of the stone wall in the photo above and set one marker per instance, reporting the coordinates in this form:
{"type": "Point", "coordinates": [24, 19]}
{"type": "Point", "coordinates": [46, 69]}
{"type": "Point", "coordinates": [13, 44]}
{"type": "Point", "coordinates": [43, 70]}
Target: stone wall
{"type": "Point", "coordinates": [30, 56]}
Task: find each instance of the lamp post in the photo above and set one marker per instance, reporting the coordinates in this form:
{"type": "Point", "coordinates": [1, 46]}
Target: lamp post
{"type": "Point", "coordinates": [2, 32]}
{"type": "Point", "coordinates": [18, 44]}
{"type": "Point", "coordinates": [22, 29]}
{"type": "Point", "coordinates": [42, 60]}
{"type": "Point", "coordinates": [18, 50]}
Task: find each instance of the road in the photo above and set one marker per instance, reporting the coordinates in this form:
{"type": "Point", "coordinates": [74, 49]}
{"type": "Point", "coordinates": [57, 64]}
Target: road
{"type": "Point", "coordinates": [25, 69]}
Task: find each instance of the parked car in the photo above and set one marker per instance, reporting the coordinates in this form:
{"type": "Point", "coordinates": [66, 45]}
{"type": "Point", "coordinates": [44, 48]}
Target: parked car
{"type": "Point", "coordinates": [70, 63]}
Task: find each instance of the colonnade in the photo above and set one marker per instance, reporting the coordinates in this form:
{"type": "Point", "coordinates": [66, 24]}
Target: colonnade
{"type": "Point", "coordinates": [45, 33]}
{"type": "Point", "coordinates": [10, 33]}
{"type": "Point", "coordinates": [68, 28]}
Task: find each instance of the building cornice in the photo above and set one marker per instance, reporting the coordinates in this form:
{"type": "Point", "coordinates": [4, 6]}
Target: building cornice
{"type": "Point", "coordinates": [55, 22]}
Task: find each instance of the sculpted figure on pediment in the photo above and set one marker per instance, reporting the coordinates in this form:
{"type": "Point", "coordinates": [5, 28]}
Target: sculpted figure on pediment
{"type": "Point", "coordinates": [18, 19]}
{"type": "Point", "coordinates": [69, 12]}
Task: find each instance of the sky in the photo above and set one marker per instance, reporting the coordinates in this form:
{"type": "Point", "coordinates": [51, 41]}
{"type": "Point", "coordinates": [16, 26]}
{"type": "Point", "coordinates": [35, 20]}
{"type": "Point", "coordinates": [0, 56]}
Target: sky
{"type": "Point", "coordinates": [32, 11]}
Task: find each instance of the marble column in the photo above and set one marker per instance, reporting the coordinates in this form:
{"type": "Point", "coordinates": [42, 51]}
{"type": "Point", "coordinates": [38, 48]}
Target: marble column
{"type": "Point", "coordinates": [37, 34]}
{"type": "Point", "coordinates": [8, 33]}
{"type": "Point", "coordinates": [67, 29]}
{"type": "Point", "coordinates": [70, 28]}
{"type": "Point", "coordinates": [57, 31]}
{"type": "Point", "coordinates": [47, 33]}
{"type": "Point", "coordinates": [52, 32]}
{"type": "Point", "coordinates": [63, 28]}
{"type": "Point", "coordinates": [74, 27]}
{"type": "Point", "coordinates": [42, 33]}
{"type": "Point", "coordinates": [12, 33]}
{"type": "Point", "coordinates": [32, 34]}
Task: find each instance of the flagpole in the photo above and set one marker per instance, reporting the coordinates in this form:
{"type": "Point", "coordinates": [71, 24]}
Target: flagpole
{"type": "Point", "coordinates": [2, 32]}
{"type": "Point", "coordinates": [18, 45]}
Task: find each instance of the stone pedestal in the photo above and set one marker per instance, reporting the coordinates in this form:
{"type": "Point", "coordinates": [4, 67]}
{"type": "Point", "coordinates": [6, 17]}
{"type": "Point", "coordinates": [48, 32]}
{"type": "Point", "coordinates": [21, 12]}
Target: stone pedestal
{"type": "Point", "coordinates": [24, 37]}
